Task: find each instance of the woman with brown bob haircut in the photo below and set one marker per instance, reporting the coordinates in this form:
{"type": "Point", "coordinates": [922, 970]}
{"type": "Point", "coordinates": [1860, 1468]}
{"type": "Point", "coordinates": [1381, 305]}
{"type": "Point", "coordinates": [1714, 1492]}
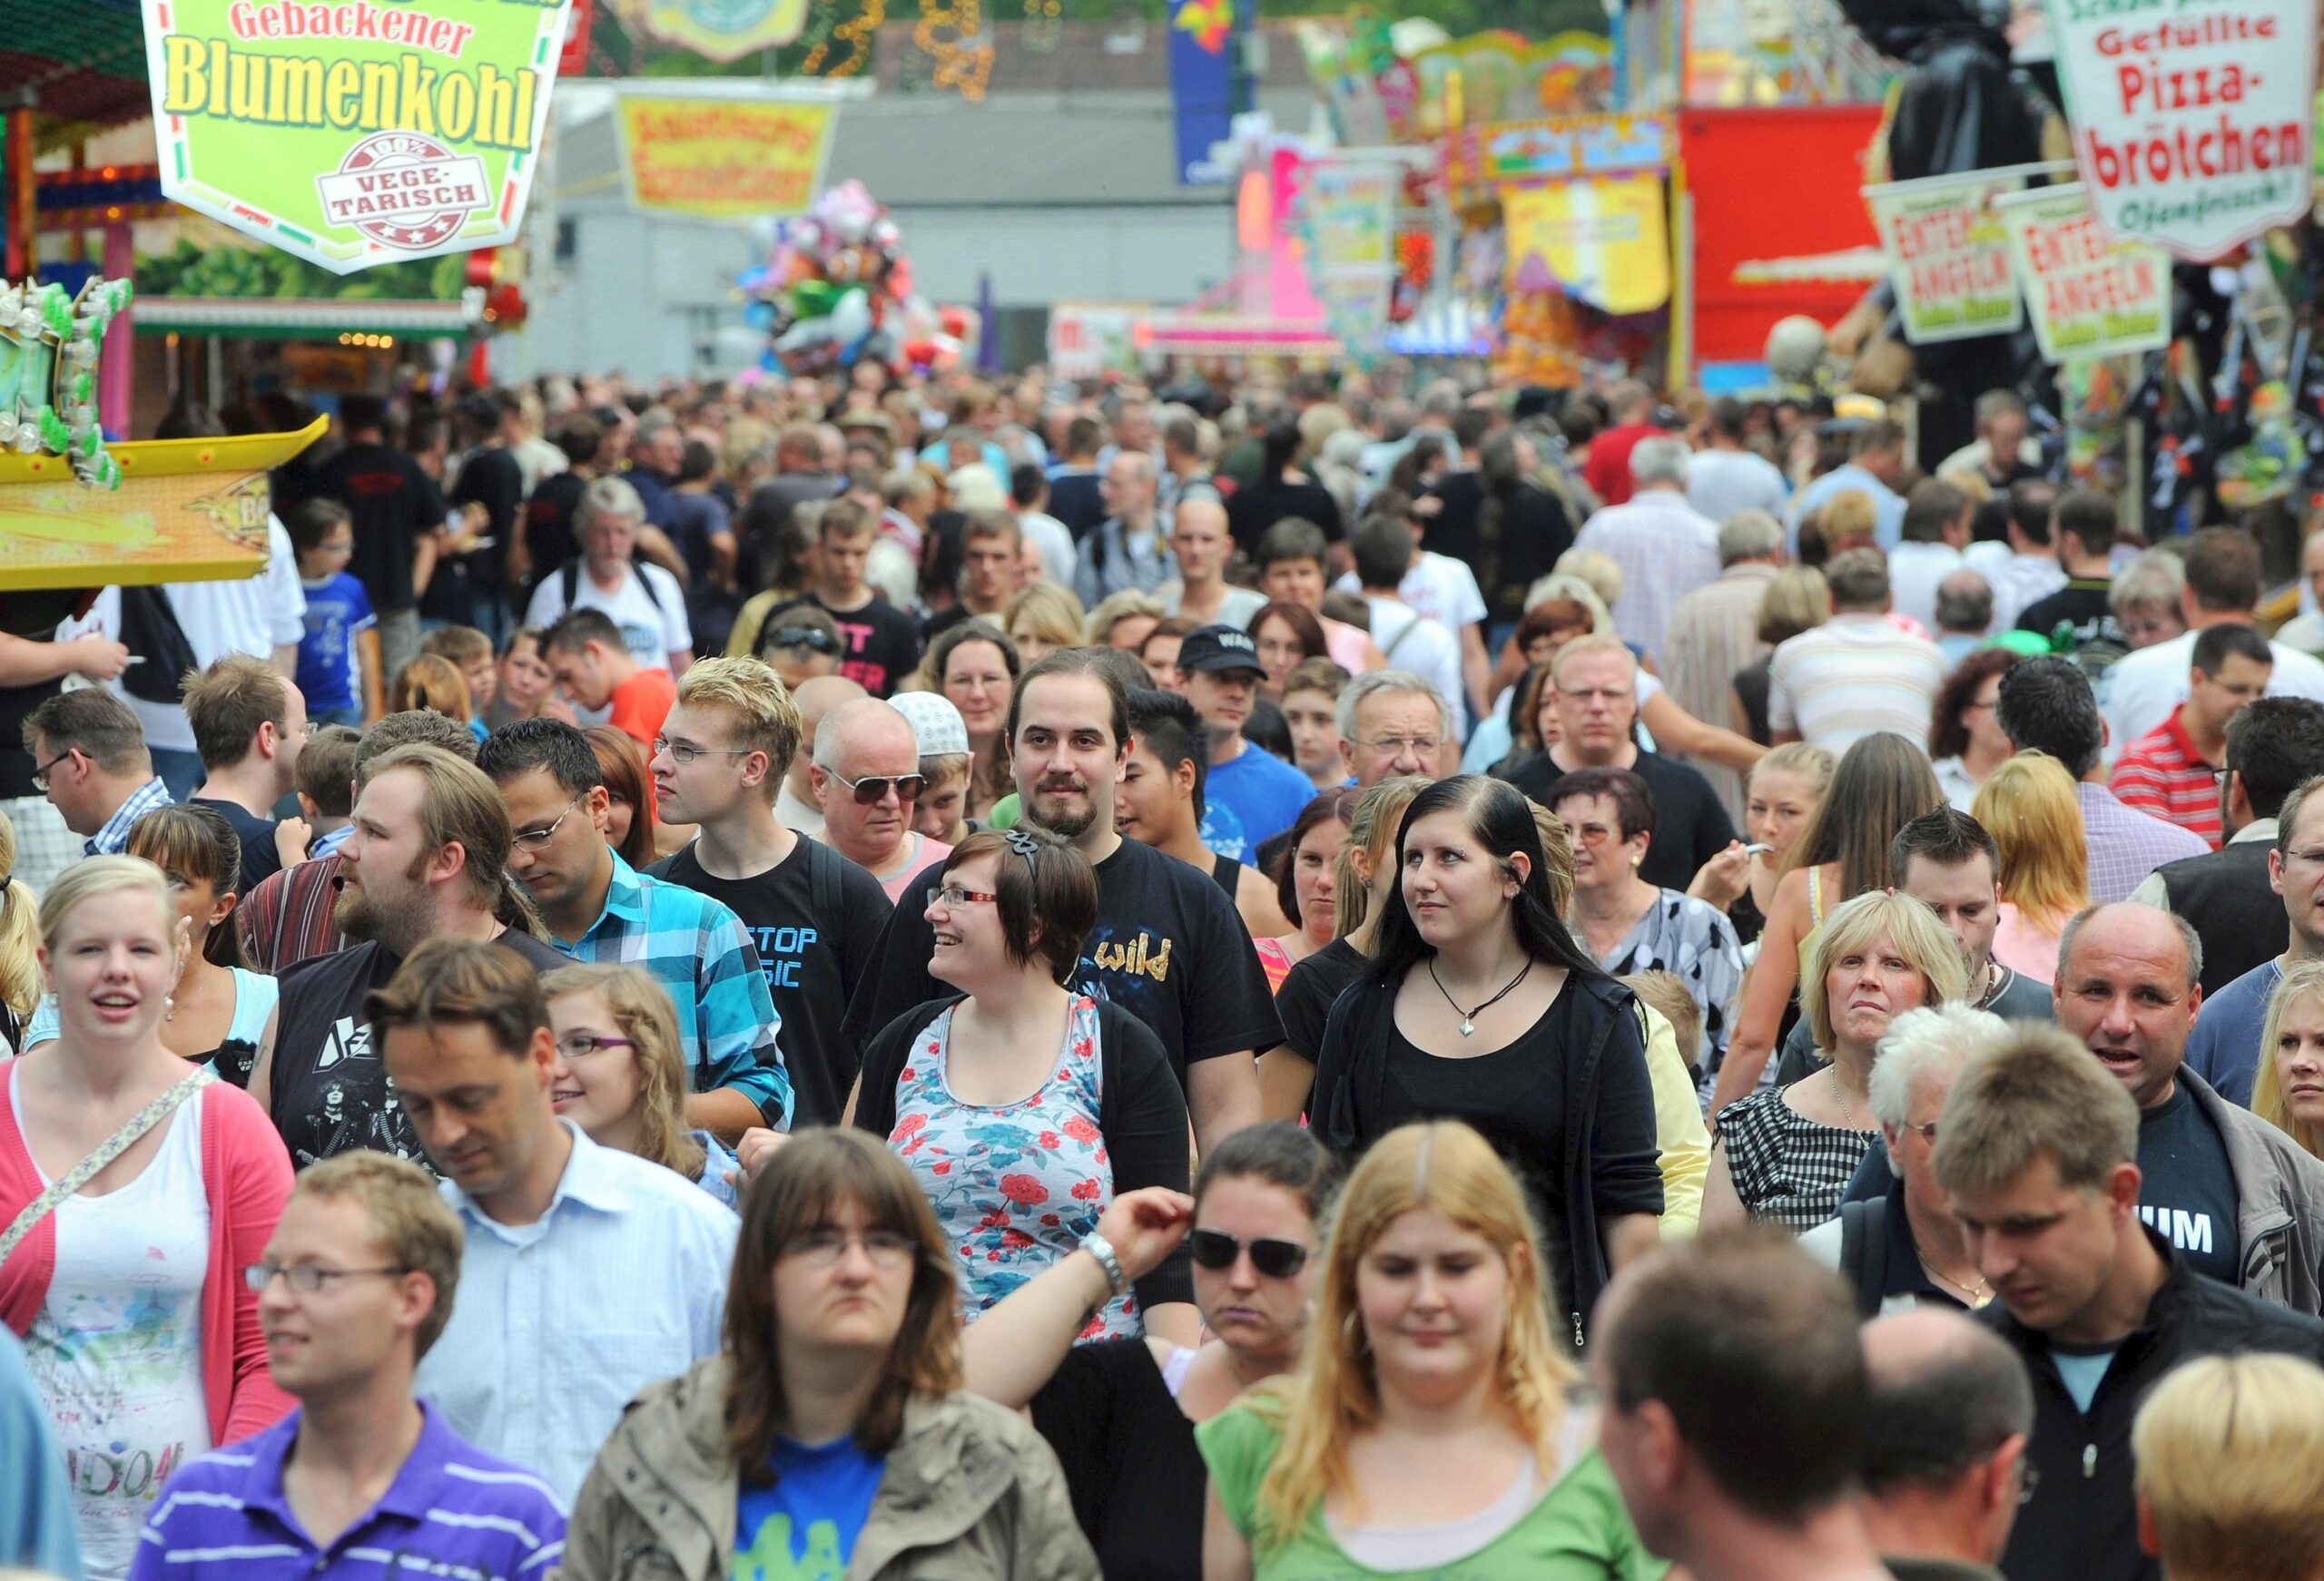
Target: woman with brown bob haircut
{"type": "Point", "coordinates": [833, 1433]}
{"type": "Point", "coordinates": [1022, 1106]}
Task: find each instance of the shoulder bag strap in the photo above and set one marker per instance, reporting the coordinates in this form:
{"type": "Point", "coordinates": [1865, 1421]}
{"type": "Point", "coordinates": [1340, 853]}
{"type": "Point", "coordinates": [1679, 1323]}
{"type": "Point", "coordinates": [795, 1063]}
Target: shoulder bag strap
{"type": "Point", "coordinates": [111, 1148]}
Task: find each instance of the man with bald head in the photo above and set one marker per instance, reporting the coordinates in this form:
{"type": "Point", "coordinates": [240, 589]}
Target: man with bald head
{"type": "Point", "coordinates": [1200, 540]}
{"type": "Point", "coordinates": [2238, 1199]}
{"type": "Point", "coordinates": [866, 775]}
{"type": "Point", "coordinates": [1945, 1431]}
{"type": "Point", "coordinates": [796, 805]}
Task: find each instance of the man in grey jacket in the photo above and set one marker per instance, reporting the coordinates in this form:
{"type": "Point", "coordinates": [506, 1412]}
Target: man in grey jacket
{"type": "Point", "coordinates": [2237, 1198]}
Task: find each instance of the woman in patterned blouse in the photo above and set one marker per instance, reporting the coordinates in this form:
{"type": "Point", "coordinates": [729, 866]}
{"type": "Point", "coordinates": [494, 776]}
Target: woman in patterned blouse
{"type": "Point", "coordinates": [1787, 1153]}
{"type": "Point", "coordinates": [1023, 1107]}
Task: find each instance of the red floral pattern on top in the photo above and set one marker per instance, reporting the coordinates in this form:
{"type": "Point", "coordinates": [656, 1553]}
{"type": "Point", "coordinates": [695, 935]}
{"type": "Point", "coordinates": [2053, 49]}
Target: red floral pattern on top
{"type": "Point", "coordinates": [1015, 1186]}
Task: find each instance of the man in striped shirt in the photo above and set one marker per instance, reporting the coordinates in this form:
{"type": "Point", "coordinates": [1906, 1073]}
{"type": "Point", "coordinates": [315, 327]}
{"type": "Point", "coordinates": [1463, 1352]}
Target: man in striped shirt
{"type": "Point", "coordinates": [2172, 771]}
{"type": "Point", "coordinates": [1856, 675]}
{"type": "Point", "coordinates": [362, 1480]}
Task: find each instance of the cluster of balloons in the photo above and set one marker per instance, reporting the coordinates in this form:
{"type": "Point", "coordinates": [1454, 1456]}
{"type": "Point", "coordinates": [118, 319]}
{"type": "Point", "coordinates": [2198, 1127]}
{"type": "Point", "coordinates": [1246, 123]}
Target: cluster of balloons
{"type": "Point", "coordinates": [837, 290]}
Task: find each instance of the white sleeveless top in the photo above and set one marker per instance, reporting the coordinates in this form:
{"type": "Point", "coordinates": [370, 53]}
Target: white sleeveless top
{"type": "Point", "coordinates": [117, 1350]}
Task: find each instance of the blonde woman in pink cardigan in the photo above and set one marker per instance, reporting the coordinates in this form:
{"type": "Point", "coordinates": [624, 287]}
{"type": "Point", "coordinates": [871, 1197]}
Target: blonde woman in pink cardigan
{"type": "Point", "coordinates": [135, 1189]}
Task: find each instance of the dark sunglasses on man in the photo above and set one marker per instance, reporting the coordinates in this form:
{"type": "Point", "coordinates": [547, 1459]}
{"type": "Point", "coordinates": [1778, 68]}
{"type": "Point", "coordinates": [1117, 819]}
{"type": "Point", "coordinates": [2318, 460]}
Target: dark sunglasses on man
{"type": "Point", "coordinates": [873, 787]}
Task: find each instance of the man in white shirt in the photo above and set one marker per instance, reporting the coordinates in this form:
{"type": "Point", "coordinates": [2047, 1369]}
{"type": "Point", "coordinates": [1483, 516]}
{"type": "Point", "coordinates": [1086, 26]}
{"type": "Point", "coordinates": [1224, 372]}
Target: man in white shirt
{"type": "Point", "coordinates": [2032, 572]}
{"type": "Point", "coordinates": [2142, 687]}
{"type": "Point", "coordinates": [1445, 590]}
{"type": "Point", "coordinates": [590, 1272]}
{"type": "Point", "coordinates": [645, 600]}
{"type": "Point", "coordinates": [1937, 518]}
{"type": "Point", "coordinates": [1724, 477]}
{"type": "Point", "coordinates": [1202, 545]}
{"type": "Point", "coordinates": [1381, 546]}
{"type": "Point", "coordinates": [1857, 674]}
{"type": "Point", "coordinates": [1666, 549]}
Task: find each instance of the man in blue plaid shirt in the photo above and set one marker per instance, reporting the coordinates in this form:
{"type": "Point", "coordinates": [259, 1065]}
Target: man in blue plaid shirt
{"type": "Point", "coordinates": [598, 909]}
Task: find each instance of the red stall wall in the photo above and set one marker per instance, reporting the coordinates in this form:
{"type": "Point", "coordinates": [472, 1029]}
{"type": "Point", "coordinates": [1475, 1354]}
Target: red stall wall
{"type": "Point", "coordinates": [1769, 184]}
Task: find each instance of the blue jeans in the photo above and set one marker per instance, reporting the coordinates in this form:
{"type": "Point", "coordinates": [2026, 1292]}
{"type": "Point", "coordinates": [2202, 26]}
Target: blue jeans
{"type": "Point", "coordinates": [181, 772]}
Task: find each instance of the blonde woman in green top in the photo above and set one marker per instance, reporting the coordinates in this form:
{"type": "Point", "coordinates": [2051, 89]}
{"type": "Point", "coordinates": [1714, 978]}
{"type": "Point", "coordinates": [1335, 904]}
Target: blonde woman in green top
{"type": "Point", "coordinates": [1429, 1429]}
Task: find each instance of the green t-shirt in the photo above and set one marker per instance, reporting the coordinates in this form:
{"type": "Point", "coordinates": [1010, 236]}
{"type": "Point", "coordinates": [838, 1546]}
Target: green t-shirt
{"type": "Point", "coordinates": [1577, 1531]}
{"type": "Point", "coordinates": [1005, 812]}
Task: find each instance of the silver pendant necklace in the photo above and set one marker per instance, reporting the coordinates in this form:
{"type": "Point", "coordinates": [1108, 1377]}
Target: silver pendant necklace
{"type": "Point", "coordinates": [1468, 1017]}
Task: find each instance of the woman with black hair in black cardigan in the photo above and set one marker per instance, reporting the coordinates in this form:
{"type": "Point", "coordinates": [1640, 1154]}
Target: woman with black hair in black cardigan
{"type": "Point", "coordinates": [1479, 1005]}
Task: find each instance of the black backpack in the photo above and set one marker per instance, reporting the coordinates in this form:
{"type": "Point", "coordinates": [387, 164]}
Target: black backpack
{"type": "Point", "coordinates": [150, 629]}
{"type": "Point", "coordinates": [1864, 1251]}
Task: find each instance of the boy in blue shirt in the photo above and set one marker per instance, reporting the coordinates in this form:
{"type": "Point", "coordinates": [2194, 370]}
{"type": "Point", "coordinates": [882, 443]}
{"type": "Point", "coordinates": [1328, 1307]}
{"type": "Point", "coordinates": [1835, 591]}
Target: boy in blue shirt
{"type": "Point", "coordinates": [338, 657]}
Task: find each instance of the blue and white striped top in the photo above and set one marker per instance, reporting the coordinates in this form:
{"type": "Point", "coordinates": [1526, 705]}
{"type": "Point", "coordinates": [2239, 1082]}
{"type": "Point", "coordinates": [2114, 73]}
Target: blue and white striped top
{"type": "Point", "coordinates": [452, 1511]}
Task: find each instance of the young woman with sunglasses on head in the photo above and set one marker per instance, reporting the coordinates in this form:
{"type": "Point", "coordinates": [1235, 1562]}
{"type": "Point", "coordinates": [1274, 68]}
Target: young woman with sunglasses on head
{"type": "Point", "coordinates": [1478, 1004]}
{"type": "Point", "coordinates": [832, 1436]}
{"type": "Point", "coordinates": [1122, 1413]}
{"type": "Point", "coordinates": [1430, 1428]}
{"type": "Point", "coordinates": [621, 1072]}
{"type": "Point", "coordinates": [1023, 1106]}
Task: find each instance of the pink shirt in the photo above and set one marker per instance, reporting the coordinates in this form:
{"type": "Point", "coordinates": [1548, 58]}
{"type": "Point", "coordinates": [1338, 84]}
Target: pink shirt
{"type": "Point", "coordinates": [2024, 948]}
{"type": "Point", "coordinates": [246, 1174]}
{"type": "Point", "coordinates": [927, 853]}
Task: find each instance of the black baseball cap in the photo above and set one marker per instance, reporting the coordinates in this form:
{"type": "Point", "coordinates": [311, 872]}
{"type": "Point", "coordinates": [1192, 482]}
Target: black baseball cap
{"type": "Point", "coordinates": [1218, 649]}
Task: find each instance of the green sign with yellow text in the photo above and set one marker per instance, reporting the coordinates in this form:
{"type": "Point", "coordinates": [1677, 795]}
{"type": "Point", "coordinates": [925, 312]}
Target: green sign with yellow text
{"type": "Point", "coordinates": [354, 132]}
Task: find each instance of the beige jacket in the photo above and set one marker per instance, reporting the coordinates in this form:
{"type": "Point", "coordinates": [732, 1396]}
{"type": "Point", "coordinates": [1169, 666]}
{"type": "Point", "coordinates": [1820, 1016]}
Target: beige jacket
{"type": "Point", "coordinates": [970, 1493]}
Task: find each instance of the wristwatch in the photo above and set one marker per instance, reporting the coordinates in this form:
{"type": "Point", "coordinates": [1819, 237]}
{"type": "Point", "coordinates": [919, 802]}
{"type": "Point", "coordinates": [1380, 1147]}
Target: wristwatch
{"type": "Point", "coordinates": [1099, 1247]}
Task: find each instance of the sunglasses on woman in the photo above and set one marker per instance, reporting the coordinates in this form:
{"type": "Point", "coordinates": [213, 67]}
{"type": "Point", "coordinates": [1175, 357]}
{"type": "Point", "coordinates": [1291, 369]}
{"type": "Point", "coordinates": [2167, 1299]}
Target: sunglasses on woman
{"type": "Point", "coordinates": [1217, 1250]}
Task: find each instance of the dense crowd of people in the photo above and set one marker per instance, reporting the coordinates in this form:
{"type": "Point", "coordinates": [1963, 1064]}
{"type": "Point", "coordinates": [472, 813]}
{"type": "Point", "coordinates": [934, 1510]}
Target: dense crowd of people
{"type": "Point", "coordinates": [1315, 977]}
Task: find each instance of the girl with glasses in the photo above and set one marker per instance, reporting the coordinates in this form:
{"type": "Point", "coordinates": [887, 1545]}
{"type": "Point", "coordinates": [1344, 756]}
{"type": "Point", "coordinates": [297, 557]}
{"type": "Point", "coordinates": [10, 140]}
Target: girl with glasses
{"type": "Point", "coordinates": [1023, 1106]}
{"type": "Point", "coordinates": [832, 1435]}
{"type": "Point", "coordinates": [621, 1072]}
{"type": "Point", "coordinates": [1122, 1413]}
{"type": "Point", "coordinates": [1431, 1428]}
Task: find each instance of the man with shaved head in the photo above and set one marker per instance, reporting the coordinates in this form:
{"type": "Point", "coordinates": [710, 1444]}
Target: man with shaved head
{"type": "Point", "coordinates": [1945, 1431]}
{"type": "Point", "coordinates": [866, 774]}
{"type": "Point", "coordinates": [796, 805]}
{"type": "Point", "coordinates": [2235, 1197]}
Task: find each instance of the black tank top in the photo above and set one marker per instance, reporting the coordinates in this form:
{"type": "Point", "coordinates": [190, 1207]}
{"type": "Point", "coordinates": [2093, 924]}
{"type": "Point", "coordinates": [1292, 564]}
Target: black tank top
{"type": "Point", "coordinates": [1228, 872]}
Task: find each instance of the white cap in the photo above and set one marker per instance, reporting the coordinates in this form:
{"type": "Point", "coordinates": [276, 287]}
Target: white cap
{"type": "Point", "coordinates": [935, 722]}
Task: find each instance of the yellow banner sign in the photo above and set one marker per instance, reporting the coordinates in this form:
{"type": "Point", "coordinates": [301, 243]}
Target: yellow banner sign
{"type": "Point", "coordinates": [187, 510]}
{"type": "Point", "coordinates": [725, 157]}
{"type": "Point", "coordinates": [1602, 242]}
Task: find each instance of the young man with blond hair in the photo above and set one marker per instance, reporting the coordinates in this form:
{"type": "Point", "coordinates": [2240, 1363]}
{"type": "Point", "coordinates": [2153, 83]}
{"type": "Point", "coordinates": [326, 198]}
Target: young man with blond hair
{"type": "Point", "coordinates": [2231, 1470]}
{"type": "Point", "coordinates": [2037, 1148]}
{"type": "Point", "coordinates": [355, 1286]}
{"type": "Point", "coordinates": [814, 916]}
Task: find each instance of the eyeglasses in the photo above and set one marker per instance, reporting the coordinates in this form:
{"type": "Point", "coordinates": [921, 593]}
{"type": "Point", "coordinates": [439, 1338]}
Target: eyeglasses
{"type": "Point", "coordinates": [687, 752]}
{"type": "Point", "coordinates": [1926, 1132]}
{"type": "Point", "coordinates": [872, 788]}
{"type": "Point", "coordinates": [824, 1248]}
{"type": "Point", "coordinates": [535, 839]}
{"type": "Point", "coordinates": [1397, 746]}
{"type": "Point", "coordinates": [954, 896]}
{"type": "Point", "coordinates": [306, 1278]}
{"type": "Point", "coordinates": [40, 775]}
{"type": "Point", "coordinates": [582, 1044]}
{"type": "Point", "coordinates": [1217, 1250]}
